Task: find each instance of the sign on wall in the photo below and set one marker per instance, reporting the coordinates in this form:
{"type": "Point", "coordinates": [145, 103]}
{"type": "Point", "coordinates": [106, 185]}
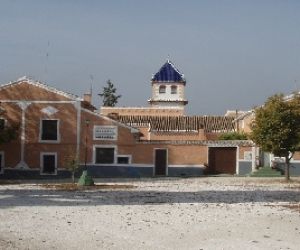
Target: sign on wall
{"type": "Point", "coordinates": [105, 133]}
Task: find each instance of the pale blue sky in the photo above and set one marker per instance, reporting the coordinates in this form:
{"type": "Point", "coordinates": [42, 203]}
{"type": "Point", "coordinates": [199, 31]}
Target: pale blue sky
{"type": "Point", "coordinates": [234, 54]}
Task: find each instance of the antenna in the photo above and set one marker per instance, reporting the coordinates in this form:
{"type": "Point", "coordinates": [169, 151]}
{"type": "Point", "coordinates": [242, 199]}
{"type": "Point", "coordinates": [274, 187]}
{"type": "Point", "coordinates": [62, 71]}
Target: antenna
{"type": "Point", "coordinates": [296, 89]}
{"type": "Point", "coordinates": [47, 57]}
{"type": "Point", "coordinates": [91, 86]}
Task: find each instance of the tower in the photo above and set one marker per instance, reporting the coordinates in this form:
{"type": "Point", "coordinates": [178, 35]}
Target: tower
{"type": "Point", "coordinates": [168, 88]}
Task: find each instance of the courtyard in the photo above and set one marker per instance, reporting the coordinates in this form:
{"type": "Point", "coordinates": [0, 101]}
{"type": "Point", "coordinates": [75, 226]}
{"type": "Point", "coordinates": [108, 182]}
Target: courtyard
{"type": "Point", "coordinates": [152, 213]}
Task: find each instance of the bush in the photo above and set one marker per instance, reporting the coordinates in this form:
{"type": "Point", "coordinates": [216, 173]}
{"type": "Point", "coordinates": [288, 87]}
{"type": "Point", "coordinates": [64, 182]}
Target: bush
{"type": "Point", "coordinates": [233, 136]}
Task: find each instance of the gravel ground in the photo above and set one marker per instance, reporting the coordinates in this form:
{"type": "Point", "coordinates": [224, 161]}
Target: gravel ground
{"type": "Point", "coordinates": [189, 213]}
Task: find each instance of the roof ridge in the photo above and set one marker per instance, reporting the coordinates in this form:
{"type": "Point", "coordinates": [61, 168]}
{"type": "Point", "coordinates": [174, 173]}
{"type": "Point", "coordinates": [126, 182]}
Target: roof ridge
{"type": "Point", "coordinates": [176, 69]}
{"type": "Point", "coordinates": [42, 85]}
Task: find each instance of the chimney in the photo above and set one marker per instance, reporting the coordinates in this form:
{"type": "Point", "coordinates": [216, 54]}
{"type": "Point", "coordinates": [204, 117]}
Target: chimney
{"type": "Point", "coordinates": [87, 97]}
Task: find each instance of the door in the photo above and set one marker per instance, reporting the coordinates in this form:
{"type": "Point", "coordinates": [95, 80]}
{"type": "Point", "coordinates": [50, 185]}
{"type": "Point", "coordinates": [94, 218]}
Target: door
{"type": "Point", "coordinates": [1, 167]}
{"type": "Point", "coordinates": [266, 159]}
{"type": "Point", "coordinates": [222, 160]}
{"type": "Point", "coordinates": [161, 161]}
{"type": "Point", "coordinates": [49, 164]}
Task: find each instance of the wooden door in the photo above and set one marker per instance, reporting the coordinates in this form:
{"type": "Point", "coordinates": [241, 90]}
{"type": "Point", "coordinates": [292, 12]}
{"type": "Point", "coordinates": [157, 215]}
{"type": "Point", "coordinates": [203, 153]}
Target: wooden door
{"type": "Point", "coordinates": [222, 160]}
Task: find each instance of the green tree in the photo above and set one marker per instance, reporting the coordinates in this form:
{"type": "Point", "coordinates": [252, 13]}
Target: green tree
{"type": "Point", "coordinates": [8, 133]}
{"type": "Point", "coordinates": [233, 136]}
{"type": "Point", "coordinates": [109, 96]}
{"type": "Point", "coordinates": [276, 128]}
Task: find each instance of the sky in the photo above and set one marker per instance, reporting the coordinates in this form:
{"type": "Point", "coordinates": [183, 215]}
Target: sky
{"type": "Point", "coordinates": [234, 54]}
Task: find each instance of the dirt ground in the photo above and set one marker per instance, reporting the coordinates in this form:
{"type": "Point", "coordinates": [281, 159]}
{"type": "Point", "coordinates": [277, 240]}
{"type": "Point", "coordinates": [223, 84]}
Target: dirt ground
{"type": "Point", "coordinates": [170, 213]}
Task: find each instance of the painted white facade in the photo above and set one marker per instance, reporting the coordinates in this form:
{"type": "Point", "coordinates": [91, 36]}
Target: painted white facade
{"type": "Point", "coordinates": [167, 97]}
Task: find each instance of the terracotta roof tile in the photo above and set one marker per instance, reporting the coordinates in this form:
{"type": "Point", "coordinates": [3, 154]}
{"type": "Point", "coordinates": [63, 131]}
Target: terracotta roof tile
{"type": "Point", "coordinates": [180, 123]}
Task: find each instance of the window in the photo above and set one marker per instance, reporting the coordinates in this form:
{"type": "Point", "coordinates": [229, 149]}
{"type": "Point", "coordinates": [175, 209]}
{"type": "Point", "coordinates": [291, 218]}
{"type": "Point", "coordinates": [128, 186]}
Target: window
{"type": "Point", "coordinates": [49, 130]}
{"type": "Point", "coordinates": [123, 159]}
{"type": "Point", "coordinates": [48, 163]}
{"type": "Point", "coordinates": [104, 155]}
{"type": "Point", "coordinates": [162, 89]}
{"type": "Point", "coordinates": [173, 89]}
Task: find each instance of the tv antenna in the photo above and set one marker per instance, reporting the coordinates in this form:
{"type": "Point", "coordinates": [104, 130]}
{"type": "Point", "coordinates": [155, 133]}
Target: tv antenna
{"type": "Point", "coordinates": [92, 81]}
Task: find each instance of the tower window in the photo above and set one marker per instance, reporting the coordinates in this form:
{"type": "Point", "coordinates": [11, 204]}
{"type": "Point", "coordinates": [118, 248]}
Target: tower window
{"type": "Point", "coordinates": [173, 89]}
{"type": "Point", "coordinates": [162, 89]}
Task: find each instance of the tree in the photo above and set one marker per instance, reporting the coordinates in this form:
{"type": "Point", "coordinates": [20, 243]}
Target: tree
{"type": "Point", "coordinates": [8, 133]}
{"type": "Point", "coordinates": [73, 165]}
{"type": "Point", "coordinates": [109, 96]}
{"type": "Point", "coordinates": [233, 136]}
{"type": "Point", "coordinates": [276, 128]}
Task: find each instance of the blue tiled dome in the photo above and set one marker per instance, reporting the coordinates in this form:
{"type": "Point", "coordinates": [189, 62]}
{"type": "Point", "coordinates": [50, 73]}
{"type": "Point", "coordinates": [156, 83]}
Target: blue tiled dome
{"type": "Point", "coordinates": [168, 73]}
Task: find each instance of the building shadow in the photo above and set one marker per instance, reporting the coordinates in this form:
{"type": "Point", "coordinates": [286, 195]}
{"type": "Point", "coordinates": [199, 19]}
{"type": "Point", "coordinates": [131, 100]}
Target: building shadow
{"type": "Point", "coordinates": [49, 197]}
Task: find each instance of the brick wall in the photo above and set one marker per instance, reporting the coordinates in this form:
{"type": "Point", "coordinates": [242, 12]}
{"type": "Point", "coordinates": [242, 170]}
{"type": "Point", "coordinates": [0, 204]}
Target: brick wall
{"type": "Point", "coordinates": [36, 97]}
{"type": "Point", "coordinates": [124, 140]}
{"type": "Point", "coordinates": [27, 92]}
{"type": "Point", "coordinates": [177, 154]}
{"type": "Point", "coordinates": [242, 151]}
{"type": "Point", "coordinates": [296, 156]}
{"type": "Point", "coordinates": [66, 116]}
{"type": "Point", "coordinates": [178, 136]}
{"type": "Point", "coordinates": [12, 115]}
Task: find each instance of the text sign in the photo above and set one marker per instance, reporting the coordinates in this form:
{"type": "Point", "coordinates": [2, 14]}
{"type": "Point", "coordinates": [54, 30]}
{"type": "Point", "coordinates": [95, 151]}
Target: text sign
{"type": "Point", "coordinates": [105, 132]}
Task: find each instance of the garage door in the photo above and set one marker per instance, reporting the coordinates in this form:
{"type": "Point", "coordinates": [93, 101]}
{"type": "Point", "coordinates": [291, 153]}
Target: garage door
{"type": "Point", "coordinates": [222, 161]}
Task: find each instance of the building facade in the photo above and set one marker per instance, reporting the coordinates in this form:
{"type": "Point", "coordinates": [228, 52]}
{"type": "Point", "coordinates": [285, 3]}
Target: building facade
{"type": "Point", "coordinates": [243, 122]}
{"type": "Point", "coordinates": [165, 118]}
{"type": "Point", "coordinates": [55, 127]}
